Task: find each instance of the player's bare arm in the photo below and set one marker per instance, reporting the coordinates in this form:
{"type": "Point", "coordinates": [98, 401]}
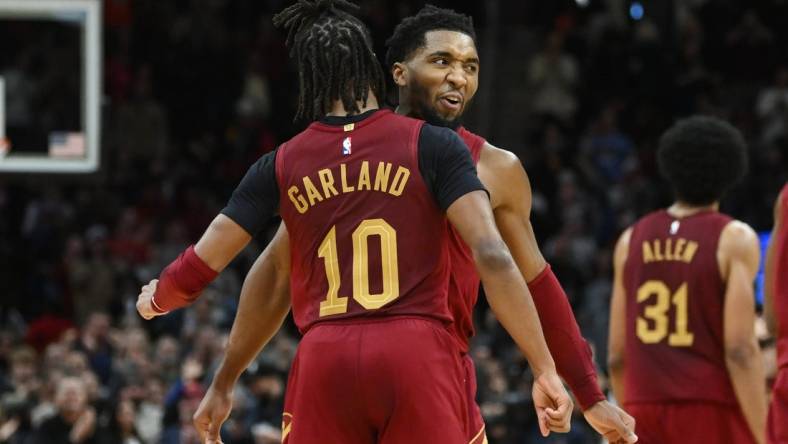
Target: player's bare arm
{"type": "Point", "coordinates": [510, 197]}
{"type": "Point", "coordinates": [770, 270]}
{"type": "Point", "coordinates": [221, 242]}
{"type": "Point", "coordinates": [264, 304]}
{"type": "Point", "coordinates": [618, 330]}
{"type": "Point", "coordinates": [505, 178]}
{"type": "Point", "coordinates": [510, 300]}
{"type": "Point", "coordinates": [738, 255]}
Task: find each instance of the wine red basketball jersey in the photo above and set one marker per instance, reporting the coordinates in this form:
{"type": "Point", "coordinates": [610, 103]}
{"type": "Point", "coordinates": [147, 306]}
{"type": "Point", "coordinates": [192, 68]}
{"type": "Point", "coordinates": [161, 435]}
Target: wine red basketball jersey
{"type": "Point", "coordinates": [367, 237]}
{"type": "Point", "coordinates": [463, 278]}
{"type": "Point", "coordinates": [674, 310]}
{"type": "Point", "coordinates": [780, 296]}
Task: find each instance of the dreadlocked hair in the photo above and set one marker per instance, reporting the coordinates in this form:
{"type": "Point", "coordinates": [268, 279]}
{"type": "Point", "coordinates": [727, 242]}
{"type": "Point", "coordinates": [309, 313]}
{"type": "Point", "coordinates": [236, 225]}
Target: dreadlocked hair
{"type": "Point", "coordinates": [334, 53]}
{"type": "Point", "coordinates": [409, 34]}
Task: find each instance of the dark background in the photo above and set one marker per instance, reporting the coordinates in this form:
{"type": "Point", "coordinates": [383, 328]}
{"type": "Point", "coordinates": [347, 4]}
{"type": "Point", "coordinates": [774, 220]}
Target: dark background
{"type": "Point", "coordinates": [196, 90]}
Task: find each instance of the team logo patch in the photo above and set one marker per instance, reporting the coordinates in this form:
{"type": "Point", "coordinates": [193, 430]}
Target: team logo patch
{"type": "Point", "coordinates": [674, 227]}
{"type": "Point", "coordinates": [346, 147]}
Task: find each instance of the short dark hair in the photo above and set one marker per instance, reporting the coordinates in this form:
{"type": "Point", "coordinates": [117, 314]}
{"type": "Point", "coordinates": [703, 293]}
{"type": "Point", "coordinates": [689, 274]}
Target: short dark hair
{"type": "Point", "coordinates": [702, 157]}
{"type": "Point", "coordinates": [334, 53]}
{"type": "Point", "coordinates": [409, 34]}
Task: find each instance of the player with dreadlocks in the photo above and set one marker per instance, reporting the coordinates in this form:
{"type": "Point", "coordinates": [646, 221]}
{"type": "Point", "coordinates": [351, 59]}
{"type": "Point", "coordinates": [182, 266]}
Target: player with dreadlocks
{"type": "Point", "coordinates": [364, 194]}
{"type": "Point", "coordinates": [344, 69]}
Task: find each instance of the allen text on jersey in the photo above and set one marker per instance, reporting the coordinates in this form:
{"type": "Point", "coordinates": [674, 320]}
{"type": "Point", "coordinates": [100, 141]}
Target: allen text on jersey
{"type": "Point", "coordinates": [670, 249]}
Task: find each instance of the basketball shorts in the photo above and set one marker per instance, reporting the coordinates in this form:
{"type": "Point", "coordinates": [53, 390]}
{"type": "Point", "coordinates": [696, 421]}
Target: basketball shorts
{"type": "Point", "coordinates": [382, 381]}
{"type": "Point", "coordinates": [689, 423]}
{"type": "Point", "coordinates": [777, 430]}
{"type": "Point", "coordinates": [475, 421]}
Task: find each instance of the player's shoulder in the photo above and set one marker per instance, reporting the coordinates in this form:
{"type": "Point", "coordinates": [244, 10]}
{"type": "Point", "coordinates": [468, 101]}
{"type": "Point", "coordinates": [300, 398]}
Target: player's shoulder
{"type": "Point", "coordinates": [738, 238]}
{"type": "Point", "coordinates": [504, 176]}
{"type": "Point", "coordinates": [498, 158]}
{"type": "Point", "coordinates": [624, 239]}
{"type": "Point", "coordinates": [502, 165]}
{"type": "Point", "coordinates": [738, 232]}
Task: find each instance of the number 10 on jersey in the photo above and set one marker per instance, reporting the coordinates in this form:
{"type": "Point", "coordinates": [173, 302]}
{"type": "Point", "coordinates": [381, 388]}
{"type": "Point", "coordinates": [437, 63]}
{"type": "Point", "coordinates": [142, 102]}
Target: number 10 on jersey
{"type": "Point", "coordinates": [335, 304]}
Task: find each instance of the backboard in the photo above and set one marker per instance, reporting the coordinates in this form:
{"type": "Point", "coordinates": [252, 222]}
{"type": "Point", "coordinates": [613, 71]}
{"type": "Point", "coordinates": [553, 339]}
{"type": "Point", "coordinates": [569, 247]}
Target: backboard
{"type": "Point", "coordinates": [50, 85]}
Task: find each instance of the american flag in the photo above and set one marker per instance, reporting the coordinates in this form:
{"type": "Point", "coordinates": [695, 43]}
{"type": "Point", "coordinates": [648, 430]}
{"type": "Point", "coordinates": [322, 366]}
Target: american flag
{"type": "Point", "coordinates": [63, 144]}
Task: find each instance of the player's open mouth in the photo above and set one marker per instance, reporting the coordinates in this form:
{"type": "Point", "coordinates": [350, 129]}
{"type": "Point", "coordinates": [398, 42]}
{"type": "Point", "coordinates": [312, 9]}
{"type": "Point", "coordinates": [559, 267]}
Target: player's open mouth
{"type": "Point", "coordinates": [452, 101]}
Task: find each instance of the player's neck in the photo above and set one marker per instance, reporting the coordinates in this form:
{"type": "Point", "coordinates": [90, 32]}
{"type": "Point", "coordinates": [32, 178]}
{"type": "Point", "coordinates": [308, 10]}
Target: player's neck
{"type": "Point", "coordinates": [403, 109]}
{"type": "Point", "coordinates": [683, 209]}
{"type": "Point", "coordinates": [338, 109]}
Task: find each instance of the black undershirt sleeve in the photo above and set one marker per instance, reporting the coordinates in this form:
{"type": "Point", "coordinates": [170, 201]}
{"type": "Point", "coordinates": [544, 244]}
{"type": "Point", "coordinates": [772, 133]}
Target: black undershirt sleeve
{"type": "Point", "coordinates": [446, 165]}
{"type": "Point", "coordinates": [256, 199]}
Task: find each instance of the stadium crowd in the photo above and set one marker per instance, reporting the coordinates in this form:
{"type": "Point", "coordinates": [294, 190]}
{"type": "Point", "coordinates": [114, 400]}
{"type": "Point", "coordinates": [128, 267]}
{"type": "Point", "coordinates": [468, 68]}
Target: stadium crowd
{"type": "Point", "coordinates": [195, 91]}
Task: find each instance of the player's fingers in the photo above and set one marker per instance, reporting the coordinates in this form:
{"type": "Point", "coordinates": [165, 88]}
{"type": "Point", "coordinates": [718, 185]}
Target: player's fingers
{"type": "Point", "coordinates": [558, 420]}
{"type": "Point", "coordinates": [564, 410]}
{"type": "Point", "coordinates": [621, 435]}
{"type": "Point", "coordinates": [543, 427]}
{"type": "Point", "coordinates": [201, 422]}
{"type": "Point", "coordinates": [613, 437]}
{"type": "Point", "coordinates": [558, 426]}
{"type": "Point", "coordinates": [212, 437]}
{"type": "Point", "coordinates": [625, 426]}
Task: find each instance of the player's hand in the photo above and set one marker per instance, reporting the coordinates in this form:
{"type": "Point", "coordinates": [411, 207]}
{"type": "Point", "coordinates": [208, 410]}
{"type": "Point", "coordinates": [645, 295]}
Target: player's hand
{"type": "Point", "coordinates": [611, 422]}
{"type": "Point", "coordinates": [214, 409]}
{"type": "Point", "coordinates": [553, 404]}
{"type": "Point", "coordinates": [144, 301]}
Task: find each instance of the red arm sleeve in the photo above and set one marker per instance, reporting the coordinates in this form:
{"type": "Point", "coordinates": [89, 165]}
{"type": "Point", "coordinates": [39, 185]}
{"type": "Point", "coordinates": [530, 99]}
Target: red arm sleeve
{"type": "Point", "coordinates": [571, 352]}
{"type": "Point", "coordinates": [182, 282]}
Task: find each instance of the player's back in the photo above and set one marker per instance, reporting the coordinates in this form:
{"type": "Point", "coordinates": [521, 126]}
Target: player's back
{"type": "Point", "coordinates": [363, 199]}
{"type": "Point", "coordinates": [674, 311]}
{"type": "Point", "coordinates": [367, 237]}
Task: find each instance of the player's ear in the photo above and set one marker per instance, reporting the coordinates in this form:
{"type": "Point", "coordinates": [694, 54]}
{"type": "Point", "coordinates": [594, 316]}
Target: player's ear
{"type": "Point", "coordinates": [399, 72]}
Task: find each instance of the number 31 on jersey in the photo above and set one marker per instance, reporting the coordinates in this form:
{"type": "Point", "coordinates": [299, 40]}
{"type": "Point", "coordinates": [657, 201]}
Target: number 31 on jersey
{"type": "Point", "coordinates": [653, 325]}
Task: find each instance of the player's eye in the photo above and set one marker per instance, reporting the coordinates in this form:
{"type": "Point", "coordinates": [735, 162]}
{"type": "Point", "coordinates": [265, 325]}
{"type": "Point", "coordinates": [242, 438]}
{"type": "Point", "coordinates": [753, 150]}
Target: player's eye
{"type": "Point", "coordinates": [441, 61]}
{"type": "Point", "coordinates": [472, 68]}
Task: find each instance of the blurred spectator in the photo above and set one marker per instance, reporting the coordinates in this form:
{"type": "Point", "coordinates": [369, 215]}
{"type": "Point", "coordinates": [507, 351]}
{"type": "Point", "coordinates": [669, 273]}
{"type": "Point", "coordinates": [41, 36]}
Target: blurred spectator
{"type": "Point", "coordinates": [772, 108]}
{"type": "Point", "coordinates": [121, 428]}
{"type": "Point", "coordinates": [75, 420]}
{"type": "Point", "coordinates": [140, 127]}
{"type": "Point", "coordinates": [91, 274]}
{"type": "Point", "coordinates": [607, 153]}
{"type": "Point", "coordinates": [95, 343]}
{"type": "Point", "coordinates": [553, 75]}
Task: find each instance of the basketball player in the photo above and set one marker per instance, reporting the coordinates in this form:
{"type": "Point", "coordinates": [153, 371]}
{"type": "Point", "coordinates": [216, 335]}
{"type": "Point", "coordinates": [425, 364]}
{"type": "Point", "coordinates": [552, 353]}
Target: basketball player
{"type": "Point", "coordinates": [776, 311]}
{"type": "Point", "coordinates": [684, 360]}
{"type": "Point", "coordinates": [435, 64]}
{"type": "Point", "coordinates": [359, 189]}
